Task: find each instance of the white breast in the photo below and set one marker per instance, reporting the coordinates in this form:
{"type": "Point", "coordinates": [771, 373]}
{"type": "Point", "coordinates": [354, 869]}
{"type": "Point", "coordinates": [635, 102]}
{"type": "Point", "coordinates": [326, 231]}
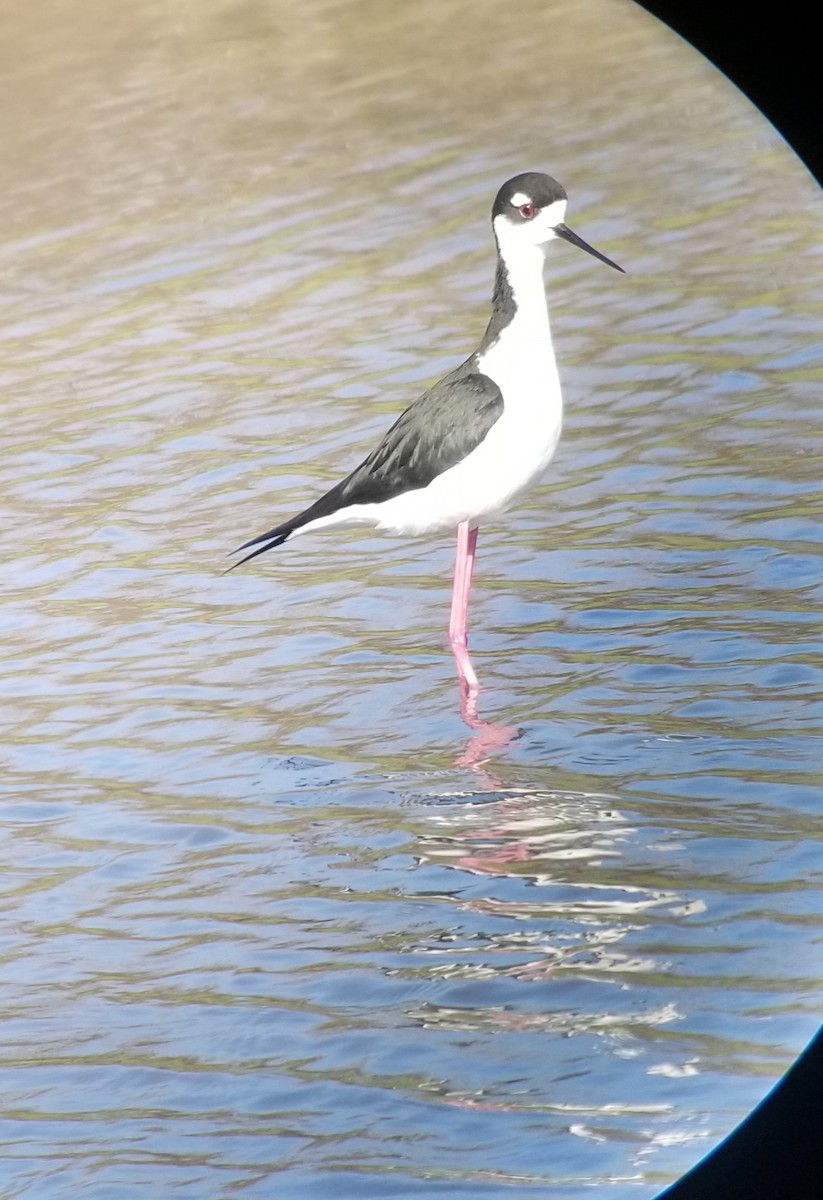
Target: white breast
{"type": "Point", "coordinates": [514, 453]}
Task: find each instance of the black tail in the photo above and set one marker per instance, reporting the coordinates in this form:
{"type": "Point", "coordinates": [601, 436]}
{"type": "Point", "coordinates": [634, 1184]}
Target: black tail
{"type": "Point", "coordinates": [277, 536]}
{"type": "Point", "coordinates": [266, 541]}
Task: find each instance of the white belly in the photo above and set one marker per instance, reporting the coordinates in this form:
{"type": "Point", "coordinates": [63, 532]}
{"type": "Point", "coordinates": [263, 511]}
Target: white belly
{"type": "Point", "coordinates": [514, 453]}
{"type": "Point", "coordinates": [483, 485]}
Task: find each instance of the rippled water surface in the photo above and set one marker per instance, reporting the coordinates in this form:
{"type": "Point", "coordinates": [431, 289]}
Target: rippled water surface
{"type": "Point", "coordinates": [276, 923]}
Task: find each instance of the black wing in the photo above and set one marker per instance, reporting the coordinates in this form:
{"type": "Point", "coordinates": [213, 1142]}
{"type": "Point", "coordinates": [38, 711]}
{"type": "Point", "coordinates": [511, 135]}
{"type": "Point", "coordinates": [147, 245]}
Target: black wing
{"type": "Point", "coordinates": [436, 432]}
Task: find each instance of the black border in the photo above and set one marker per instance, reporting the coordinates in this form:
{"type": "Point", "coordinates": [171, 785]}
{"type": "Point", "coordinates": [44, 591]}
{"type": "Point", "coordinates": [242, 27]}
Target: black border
{"type": "Point", "coordinates": [772, 51]}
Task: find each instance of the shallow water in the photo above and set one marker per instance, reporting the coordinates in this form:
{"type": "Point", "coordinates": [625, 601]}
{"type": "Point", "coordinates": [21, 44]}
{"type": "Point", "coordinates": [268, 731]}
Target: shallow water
{"type": "Point", "coordinates": [275, 921]}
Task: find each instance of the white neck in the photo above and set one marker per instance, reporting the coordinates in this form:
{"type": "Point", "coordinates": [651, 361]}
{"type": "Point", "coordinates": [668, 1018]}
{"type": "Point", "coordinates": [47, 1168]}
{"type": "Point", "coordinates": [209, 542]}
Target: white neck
{"type": "Point", "coordinates": [518, 354]}
{"type": "Point", "coordinates": [523, 262]}
{"type": "Point", "coordinates": [521, 315]}
{"type": "Point", "coordinates": [524, 265]}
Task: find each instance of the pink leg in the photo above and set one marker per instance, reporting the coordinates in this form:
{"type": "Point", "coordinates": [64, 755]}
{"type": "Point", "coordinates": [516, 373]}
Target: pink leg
{"type": "Point", "coordinates": [488, 736]}
{"type": "Point", "coordinates": [463, 568]}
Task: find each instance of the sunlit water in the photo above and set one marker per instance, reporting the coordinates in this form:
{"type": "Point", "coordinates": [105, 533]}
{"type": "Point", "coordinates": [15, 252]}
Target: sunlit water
{"type": "Point", "coordinates": [276, 923]}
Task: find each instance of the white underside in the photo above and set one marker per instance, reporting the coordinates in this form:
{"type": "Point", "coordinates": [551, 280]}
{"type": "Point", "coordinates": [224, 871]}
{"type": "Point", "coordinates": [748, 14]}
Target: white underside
{"type": "Point", "coordinates": [486, 483]}
{"type": "Point", "coordinates": [518, 447]}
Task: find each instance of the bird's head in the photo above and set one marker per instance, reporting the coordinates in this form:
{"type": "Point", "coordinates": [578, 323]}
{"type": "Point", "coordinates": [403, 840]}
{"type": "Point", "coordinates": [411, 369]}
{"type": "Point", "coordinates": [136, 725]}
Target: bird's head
{"type": "Point", "coordinates": [528, 212]}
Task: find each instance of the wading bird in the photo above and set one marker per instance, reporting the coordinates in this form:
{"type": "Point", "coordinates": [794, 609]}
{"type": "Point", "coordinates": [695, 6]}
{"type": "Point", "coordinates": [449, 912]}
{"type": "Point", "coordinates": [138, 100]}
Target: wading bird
{"type": "Point", "coordinates": [478, 438]}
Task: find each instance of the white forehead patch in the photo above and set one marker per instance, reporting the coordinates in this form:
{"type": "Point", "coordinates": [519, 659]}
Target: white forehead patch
{"type": "Point", "coordinates": [520, 198]}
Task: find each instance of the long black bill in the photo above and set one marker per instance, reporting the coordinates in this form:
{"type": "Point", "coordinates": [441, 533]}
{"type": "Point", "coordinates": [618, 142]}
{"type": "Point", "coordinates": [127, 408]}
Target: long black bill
{"type": "Point", "coordinates": [568, 235]}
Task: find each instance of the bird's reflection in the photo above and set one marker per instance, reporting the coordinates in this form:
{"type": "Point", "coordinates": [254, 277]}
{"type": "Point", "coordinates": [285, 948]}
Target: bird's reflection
{"type": "Point", "coordinates": [488, 736]}
{"type": "Point", "coordinates": [556, 840]}
{"type": "Point", "coordinates": [545, 856]}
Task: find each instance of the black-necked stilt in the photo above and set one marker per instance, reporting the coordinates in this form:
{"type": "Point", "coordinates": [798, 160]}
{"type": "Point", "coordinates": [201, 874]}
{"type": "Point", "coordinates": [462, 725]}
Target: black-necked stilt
{"type": "Point", "coordinates": [482, 434]}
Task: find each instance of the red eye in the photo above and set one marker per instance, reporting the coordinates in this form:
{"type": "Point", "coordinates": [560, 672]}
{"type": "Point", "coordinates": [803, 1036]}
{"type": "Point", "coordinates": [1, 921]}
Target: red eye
{"type": "Point", "coordinates": [526, 211]}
